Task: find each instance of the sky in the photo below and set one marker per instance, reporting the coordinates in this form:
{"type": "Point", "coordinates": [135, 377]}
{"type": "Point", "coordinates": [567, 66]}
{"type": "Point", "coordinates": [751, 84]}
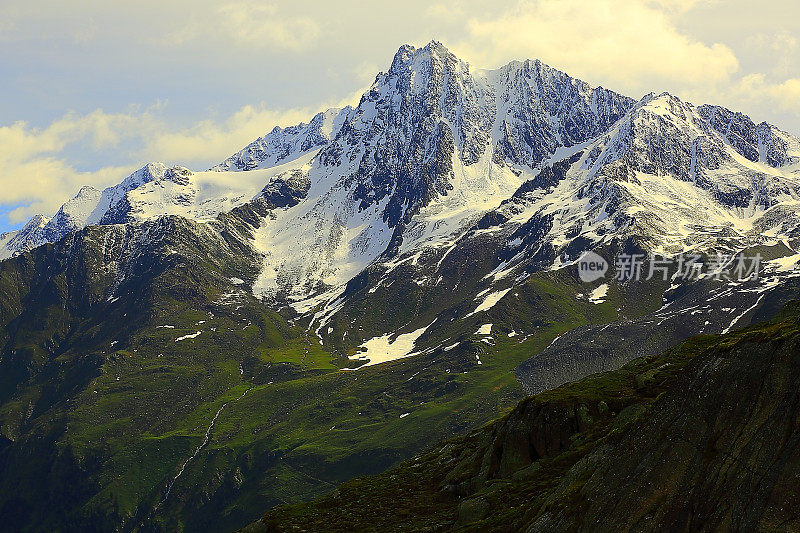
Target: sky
{"type": "Point", "coordinates": [92, 90]}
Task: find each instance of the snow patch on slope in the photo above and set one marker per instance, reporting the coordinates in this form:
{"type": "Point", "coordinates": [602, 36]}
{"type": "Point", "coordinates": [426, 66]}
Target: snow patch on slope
{"type": "Point", "coordinates": [383, 349]}
{"type": "Point", "coordinates": [598, 295]}
{"type": "Point", "coordinates": [489, 301]}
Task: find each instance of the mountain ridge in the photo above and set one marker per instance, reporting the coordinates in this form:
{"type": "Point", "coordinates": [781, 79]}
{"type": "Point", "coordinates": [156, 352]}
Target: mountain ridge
{"type": "Point", "coordinates": [285, 145]}
{"type": "Point", "coordinates": [436, 153]}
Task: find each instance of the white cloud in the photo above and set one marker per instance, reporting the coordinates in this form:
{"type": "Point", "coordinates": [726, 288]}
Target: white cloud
{"type": "Point", "coordinates": [259, 25]}
{"type": "Point", "coordinates": [678, 6]}
{"type": "Point", "coordinates": [179, 35]}
{"type": "Point", "coordinates": [629, 44]}
{"type": "Point", "coordinates": [41, 185]}
{"type": "Point", "coordinates": [248, 24]}
{"type": "Point", "coordinates": [36, 171]}
{"type": "Point", "coordinates": [778, 50]}
{"type": "Point", "coordinates": [365, 72]}
{"type": "Point", "coordinates": [755, 89]}
{"type": "Point", "coordinates": [252, 24]}
{"type": "Point", "coordinates": [215, 140]}
{"type": "Point", "coordinates": [208, 141]}
{"type": "Point", "coordinates": [444, 10]}
{"type": "Point", "coordinates": [33, 172]}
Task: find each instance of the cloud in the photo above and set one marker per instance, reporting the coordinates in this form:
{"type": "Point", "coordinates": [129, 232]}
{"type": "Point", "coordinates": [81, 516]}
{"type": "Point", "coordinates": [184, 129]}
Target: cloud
{"type": "Point", "coordinates": [630, 44]}
{"type": "Point", "coordinates": [207, 141]}
{"type": "Point", "coordinates": [678, 6]}
{"type": "Point", "coordinates": [444, 10]}
{"type": "Point", "coordinates": [32, 171]}
{"type": "Point", "coordinates": [215, 140]}
{"type": "Point", "coordinates": [777, 49]}
{"type": "Point", "coordinates": [365, 72]}
{"type": "Point", "coordinates": [756, 89]}
{"type": "Point", "coordinates": [778, 42]}
{"type": "Point", "coordinates": [97, 130]}
{"type": "Point", "coordinates": [251, 24]}
{"type": "Point", "coordinates": [42, 185]}
{"type": "Point", "coordinates": [255, 24]}
{"type": "Point", "coordinates": [247, 24]}
{"type": "Point", "coordinates": [757, 95]}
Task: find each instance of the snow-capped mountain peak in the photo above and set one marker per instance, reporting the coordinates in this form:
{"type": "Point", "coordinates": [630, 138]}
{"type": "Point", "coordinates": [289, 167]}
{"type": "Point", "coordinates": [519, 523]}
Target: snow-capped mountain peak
{"type": "Point", "coordinates": [666, 177]}
{"type": "Point", "coordinates": [434, 145]}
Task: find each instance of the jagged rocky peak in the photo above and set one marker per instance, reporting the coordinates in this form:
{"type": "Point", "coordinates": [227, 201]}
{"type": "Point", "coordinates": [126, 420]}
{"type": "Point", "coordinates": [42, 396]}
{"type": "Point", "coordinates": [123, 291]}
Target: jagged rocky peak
{"type": "Point", "coordinates": [401, 139]}
{"type": "Point", "coordinates": [417, 69]}
{"type": "Point", "coordinates": [75, 212]}
{"type": "Point", "coordinates": [36, 221]}
{"type": "Point", "coordinates": [665, 136]}
{"type": "Point", "coordinates": [71, 216]}
{"type": "Point", "coordinates": [76, 207]}
{"type": "Point", "coordinates": [426, 88]}
{"type": "Point", "coordinates": [762, 142]}
{"type": "Point", "coordinates": [32, 231]}
{"type": "Point", "coordinates": [434, 135]}
{"type": "Point", "coordinates": [663, 176]}
{"type": "Point", "coordinates": [90, 206]}
{"type": "Point", "coordinates": [424, 138]}
{"type": "Point", "coordinates": [178, 174]}
{"type": "Point", "coordinates": [656, 137]}
{"type": "Point", "coordinates": [429, 106]}
{"type": "Point", "coordinates": [540, 109]}
{"type": "Point", "coordinates": [150, 172]}
{"type": "Point", "coordinates": [429, 111]}
{"type": "Point", "coordinates": [283, 145]}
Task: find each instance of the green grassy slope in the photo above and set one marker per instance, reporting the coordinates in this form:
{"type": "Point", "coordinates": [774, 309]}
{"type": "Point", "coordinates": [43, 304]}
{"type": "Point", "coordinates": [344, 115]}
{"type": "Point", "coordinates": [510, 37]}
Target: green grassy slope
{"type": "Point", "coordinates": [102, 404]}
{"type": "Point", "coordinates": [668, 441]}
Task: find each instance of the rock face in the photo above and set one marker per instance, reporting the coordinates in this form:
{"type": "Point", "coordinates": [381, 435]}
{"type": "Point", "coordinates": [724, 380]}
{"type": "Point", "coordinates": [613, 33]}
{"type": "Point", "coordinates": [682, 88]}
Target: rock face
{"type": "Point", "coordinates": [283, 145]}
{"type": "Point", "coordinates": [87, 208]}
{"type": "Point", "coordinates": [703, 437]}
{"type": "Point", "coordinates": [591, 349]}
{"type": "Point", "coordinates": [718, 451]}
{"type": "Point", "coordinates": [539, 109]}
{"type": "Point", "coordinates": [757, 142]}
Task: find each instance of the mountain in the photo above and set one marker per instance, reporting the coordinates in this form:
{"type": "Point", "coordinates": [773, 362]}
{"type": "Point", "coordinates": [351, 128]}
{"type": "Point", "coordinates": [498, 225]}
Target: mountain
{"type": "Point", "coordinates": [189, 348]}
{"type": "Point", "coordinates": [284, 145]}
{"type": "Point", "coordinates": [432, 146]}
{"type": "Point", "coordinates": [703, 436]}
{"type": "Point", "coordinates": [88, 207]}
